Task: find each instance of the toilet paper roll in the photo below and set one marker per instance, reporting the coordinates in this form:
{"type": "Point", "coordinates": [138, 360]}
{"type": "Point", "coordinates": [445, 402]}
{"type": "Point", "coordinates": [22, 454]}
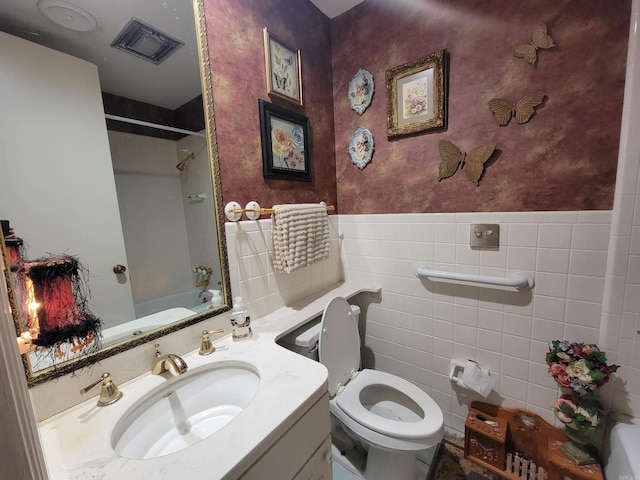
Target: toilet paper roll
{"type": "Point", "coordinates": [477, 379]}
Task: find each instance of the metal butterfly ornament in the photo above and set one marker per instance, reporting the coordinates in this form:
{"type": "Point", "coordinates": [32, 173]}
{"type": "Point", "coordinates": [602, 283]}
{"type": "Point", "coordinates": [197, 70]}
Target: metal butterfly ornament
{"type": "Point", "coordinates": [472, 162]}
{"type": "Point", "coordinates": [529, 51]}
{"type": "Point", "coordinates": [503, 109]}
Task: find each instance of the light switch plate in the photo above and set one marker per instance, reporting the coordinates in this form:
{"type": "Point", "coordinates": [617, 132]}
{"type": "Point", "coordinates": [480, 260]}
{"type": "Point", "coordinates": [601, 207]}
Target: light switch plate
{"type": "Point", "coordinates": [484, 235]}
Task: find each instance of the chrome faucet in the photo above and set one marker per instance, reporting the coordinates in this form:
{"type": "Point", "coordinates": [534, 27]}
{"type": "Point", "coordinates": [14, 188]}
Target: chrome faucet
{"type": "Point", "coordinates": [163, 363]}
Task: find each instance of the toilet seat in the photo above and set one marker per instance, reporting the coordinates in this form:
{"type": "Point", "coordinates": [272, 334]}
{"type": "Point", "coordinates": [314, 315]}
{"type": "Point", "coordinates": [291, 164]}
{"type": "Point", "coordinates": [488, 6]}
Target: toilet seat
{"type": "Point", "coordinates": [349, 401]}
{"type": "Point", "coordinates": [391, 417]}
{"type": "Point", "coordinates": [339, 351]}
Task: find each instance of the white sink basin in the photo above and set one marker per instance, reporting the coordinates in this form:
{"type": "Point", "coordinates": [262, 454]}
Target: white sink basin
{"type": "Point", "coordinates": [186, 409]}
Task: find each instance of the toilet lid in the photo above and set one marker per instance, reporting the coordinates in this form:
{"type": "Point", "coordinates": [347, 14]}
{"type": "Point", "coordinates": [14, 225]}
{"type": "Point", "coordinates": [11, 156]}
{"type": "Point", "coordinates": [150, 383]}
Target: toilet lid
{"type": "Point", "coordinates": [339, 343]}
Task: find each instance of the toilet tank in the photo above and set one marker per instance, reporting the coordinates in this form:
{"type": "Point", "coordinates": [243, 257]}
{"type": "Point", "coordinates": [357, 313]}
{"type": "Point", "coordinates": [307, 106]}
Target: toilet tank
{"type": "Point", "coordinates": [304, 339]}
{"type": "Point", "coordinates": [622, 460]}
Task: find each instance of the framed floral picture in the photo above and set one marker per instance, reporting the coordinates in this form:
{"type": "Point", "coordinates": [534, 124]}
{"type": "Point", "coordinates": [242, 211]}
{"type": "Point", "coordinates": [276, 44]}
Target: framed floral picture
{"type": "Point", "coordinates": [284, 77]}
{"type": "Point", "coordinates": [417, 95]}
{"type": "Point", "coordinates": [285, 143]}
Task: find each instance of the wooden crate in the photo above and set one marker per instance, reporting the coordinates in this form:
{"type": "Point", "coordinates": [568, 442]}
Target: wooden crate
{"type": "Point", "coordinates": [485, 438]}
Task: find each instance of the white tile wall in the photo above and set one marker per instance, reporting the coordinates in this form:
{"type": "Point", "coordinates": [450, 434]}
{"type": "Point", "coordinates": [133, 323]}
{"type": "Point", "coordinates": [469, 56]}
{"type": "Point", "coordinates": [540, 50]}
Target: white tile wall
{"type": "Point", "coordinates": [505, 330]}
{"type": "Point", "coordinates": [252, 276]}
{"type": "Point", "coordinates": [421, 325]}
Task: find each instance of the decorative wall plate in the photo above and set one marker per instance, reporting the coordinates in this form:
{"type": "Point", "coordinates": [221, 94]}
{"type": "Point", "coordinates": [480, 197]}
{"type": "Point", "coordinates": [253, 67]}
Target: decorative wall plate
{"type": "Point", "coordinates": [361, 147]}
{"type": "Point", "coordinates": [360, 91]}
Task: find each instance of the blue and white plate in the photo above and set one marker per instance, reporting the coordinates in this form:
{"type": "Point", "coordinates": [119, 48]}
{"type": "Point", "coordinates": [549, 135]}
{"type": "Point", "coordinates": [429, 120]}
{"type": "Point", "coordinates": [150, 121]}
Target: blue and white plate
{"type": "Point", "coordinates": [361, 147]}
{"type": "Point", "coordinates": [360, 91]}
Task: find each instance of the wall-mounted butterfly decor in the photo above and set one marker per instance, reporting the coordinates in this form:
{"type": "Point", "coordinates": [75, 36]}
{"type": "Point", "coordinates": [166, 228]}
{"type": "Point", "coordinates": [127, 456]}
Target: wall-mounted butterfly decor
{"type": "Point", "coordinates": [503, 109]}
{"type": "Point", "coordinates": [529, 51]}
{"type": "Point", "coordinates": [472, 162]}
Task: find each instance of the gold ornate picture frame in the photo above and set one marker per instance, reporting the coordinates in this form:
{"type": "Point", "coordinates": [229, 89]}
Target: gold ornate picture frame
{"type": "Point", "coordinates": [417, 95]}
{"type": "Point", "coordinates": [283, 72]}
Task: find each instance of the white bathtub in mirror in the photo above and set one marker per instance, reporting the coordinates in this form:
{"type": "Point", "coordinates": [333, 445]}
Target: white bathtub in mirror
{"type": "Point", "coordinates": [193, 299]}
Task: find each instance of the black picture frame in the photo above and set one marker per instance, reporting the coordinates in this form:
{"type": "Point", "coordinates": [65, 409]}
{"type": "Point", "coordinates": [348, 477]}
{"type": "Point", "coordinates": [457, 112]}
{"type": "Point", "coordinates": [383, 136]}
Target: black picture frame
{"type": "Point", "coordinates": [286, 153]}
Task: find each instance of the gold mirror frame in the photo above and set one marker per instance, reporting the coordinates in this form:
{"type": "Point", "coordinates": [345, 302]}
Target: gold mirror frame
{"type": "Point", "coordinates": [77, 364]}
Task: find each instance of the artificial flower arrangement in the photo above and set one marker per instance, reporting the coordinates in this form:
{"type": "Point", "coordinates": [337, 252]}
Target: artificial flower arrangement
{"type": "Point", "coordinates": [583, 416]}
{"type": "Point", "coordinates": [583, 369]}
{"type": "Point", "coordinates": [578, 366]}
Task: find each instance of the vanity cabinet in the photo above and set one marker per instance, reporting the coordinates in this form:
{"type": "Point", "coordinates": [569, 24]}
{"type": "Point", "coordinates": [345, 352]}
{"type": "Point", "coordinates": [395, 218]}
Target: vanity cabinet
{"type": "Point", "coordinates": [303, 452]}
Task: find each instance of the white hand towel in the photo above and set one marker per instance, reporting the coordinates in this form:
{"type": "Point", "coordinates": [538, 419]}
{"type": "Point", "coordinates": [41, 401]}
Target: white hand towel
{"type": "Point", "coordinates": [300, 234]}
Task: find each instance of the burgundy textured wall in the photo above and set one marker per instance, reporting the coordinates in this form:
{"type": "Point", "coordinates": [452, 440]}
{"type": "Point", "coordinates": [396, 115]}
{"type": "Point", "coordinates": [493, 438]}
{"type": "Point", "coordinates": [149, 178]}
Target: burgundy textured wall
{"type": "Point", "coordinates": [234, 32]}
{"type": "Point", "coordinates": [563, 159]}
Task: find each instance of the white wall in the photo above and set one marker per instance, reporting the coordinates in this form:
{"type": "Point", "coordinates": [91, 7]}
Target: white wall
{"type": "Point", "coordinates": [252, 276]}
{"type": "Point", "coordinates": [153, 220]}
{"type": "Point", "coordinates": [420, 326]}
{"type": "Point", "coordinates": [57, 185]}
{"type": "Point", "coordinates": [620, 330]}
{"type": "Point", "coordinates": [199, 215]}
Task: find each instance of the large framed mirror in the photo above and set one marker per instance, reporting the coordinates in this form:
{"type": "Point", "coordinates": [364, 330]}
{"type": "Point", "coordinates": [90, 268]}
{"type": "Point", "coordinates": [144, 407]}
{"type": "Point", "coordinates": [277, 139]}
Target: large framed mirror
{"type": "Point", "coordinates": [110, 157]}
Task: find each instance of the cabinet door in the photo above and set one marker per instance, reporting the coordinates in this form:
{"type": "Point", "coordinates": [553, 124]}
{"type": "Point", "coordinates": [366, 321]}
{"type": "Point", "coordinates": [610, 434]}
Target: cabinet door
{"type": "Point", "coordinates": [290, 453]}
{"type": "Point", "coordinates": [319, 465]}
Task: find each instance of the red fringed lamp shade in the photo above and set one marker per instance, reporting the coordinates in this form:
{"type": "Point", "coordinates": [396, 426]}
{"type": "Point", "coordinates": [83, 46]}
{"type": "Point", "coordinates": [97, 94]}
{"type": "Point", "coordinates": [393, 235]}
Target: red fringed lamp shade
{"type": "Point", "coordinates": [56, 301]}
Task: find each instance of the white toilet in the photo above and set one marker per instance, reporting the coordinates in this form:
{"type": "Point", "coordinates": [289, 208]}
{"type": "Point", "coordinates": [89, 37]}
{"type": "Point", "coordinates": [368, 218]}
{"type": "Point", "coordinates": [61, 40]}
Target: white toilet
{"type": "Point", "coordinates": [391, 416]}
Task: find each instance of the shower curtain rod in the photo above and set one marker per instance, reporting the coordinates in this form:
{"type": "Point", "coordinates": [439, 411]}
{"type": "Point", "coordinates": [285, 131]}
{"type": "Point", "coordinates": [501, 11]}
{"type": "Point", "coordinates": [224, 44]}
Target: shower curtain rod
{"type": "Point", "coordinates": [152, 125]}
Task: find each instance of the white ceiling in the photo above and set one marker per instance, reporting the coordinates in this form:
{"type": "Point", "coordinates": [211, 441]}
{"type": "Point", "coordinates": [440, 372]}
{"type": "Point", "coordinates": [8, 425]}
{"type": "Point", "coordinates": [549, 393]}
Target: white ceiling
{"type": "Point", "coordinates": [333, 8]}
{"type": "Point", "coordinates": [169, 84]}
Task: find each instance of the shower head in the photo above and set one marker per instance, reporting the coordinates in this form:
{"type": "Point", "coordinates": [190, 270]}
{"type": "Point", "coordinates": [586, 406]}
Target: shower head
{"type": "Point", "coordinates": [183, 164]}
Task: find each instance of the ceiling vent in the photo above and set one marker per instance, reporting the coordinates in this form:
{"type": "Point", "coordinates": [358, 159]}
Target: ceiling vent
{"type": "Point", "coordinates": [145, 41]}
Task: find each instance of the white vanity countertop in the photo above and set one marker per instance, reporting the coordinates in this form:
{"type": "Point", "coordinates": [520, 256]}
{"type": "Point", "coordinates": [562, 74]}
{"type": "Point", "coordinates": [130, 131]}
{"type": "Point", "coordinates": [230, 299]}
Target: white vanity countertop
{"type": "Point", "coordinates": [77, 442]}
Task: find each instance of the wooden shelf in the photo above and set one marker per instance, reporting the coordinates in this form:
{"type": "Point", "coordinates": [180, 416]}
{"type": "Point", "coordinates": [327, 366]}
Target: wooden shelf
{"type": "Point", "coordinates": [529, 434]}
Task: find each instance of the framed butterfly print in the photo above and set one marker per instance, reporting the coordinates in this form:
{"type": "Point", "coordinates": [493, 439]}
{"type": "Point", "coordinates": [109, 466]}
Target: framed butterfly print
{"type": "Point", "coordinates": [417, 95]}
{"type": "Point", "coordinates": [285, 143]}
{"type": "Point", "coordinates": [284, 77]}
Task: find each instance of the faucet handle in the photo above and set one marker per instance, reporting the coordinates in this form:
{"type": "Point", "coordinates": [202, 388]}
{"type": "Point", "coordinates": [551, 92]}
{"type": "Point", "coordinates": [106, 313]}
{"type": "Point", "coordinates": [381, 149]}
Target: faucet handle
{"type": "Point", "coordinates": [109, 393]}
{"type": "Point", "coordinates": [206, 347]}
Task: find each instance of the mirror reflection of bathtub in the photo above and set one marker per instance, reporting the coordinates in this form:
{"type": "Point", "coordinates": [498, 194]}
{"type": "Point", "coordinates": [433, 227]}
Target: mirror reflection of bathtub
{"type": "Point", "coordinates": [152, 314]}
{"type": "Point", "coordinates": [193, 298]}
{"type": "Point", "coordinates": [159, 312]}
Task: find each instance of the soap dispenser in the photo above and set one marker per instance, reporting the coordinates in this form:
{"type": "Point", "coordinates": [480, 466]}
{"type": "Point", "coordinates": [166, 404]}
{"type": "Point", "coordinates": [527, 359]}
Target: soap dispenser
{"type": "Point", "coordinates": [216, 298]}
{"type": "Point", "coordinates": [240, 321]}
